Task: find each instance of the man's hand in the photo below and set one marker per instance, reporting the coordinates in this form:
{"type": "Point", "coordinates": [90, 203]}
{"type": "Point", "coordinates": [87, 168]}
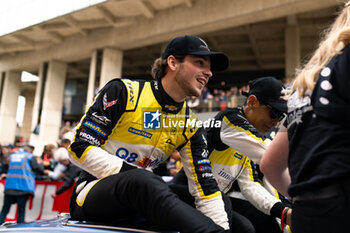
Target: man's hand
{"type": "Point", "coordinates": [53, 195]}
{"type": "Point", "coordinates": [2, 176]}
{"type": "Point", "coordinates": [61, 176]}
{"type": "Point", "coordinates": [46, 172]}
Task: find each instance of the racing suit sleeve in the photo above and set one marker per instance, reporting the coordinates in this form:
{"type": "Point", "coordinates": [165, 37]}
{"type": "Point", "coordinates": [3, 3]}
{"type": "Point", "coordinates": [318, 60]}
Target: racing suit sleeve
{"type": "Point", "coordinates": [243, 138]}
{"type": "Point", "coordinates": [256, 194]}
{"type": "Point", "coordinates": [93, 131]}
{"type": "Point", "coordinates": [201, 182]}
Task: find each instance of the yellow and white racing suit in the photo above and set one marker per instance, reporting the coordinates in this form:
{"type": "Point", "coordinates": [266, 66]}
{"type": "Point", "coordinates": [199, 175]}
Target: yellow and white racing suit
{"type": "Point", "coordinates": [135, 124]}
{"type": "Point", "coordinates": [232, 149]}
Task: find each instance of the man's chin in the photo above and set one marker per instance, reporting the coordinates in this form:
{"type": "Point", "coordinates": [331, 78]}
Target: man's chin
{"type": "Point", "coordinates": [195, 94]}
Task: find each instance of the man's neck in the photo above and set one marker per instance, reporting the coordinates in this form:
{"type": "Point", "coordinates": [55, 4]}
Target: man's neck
{"type": "Point", "coordinates": [172, 89]}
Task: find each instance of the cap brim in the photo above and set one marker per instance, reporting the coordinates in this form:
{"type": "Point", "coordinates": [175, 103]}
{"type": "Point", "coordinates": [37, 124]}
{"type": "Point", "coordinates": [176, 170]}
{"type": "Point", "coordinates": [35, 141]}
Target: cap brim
{"type": "Point", "coordinates": [279, 105]}
{"type": "Point", "coordinates": [219, 61]}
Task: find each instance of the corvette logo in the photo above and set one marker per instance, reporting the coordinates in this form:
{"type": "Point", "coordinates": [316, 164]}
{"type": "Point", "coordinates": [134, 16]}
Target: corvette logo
{"type": "Point", "coordinates": [108, 104]}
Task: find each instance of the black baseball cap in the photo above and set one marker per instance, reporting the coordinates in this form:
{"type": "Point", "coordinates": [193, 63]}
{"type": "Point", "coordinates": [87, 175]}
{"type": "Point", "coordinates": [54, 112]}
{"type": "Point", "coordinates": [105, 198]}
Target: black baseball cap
{"type": "Point", "coordinates": [195, 45]}
{"type": "Point", "coordinates": [268, 91]}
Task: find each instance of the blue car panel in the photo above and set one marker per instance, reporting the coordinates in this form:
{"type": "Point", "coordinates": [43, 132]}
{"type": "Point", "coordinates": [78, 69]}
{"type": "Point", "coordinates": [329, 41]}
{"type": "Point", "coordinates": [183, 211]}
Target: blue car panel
{"type": "Point", "coordinates": [63, 224]}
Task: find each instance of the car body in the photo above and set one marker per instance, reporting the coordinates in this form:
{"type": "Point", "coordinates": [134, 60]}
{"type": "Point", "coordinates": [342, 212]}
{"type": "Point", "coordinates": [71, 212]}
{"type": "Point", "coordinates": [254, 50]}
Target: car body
{"type": "Point", "coordinates": [63, 223]}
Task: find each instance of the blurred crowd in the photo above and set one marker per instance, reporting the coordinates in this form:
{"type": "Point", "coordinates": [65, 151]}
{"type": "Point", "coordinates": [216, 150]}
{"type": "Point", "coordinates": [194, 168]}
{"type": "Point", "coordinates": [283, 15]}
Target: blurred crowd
{"type": "Point", "coordinates": [218, 99]}
{"type": "Point", "coordinates": [54, 158]}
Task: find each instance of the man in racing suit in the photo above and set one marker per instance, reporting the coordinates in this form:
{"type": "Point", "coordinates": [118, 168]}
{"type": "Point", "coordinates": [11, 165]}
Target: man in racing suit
{"type": "Point", "coordinates": [131, 128]}
{"type": "Point", "coordinates": [234, 145]}
{"type": "Point", "coordinates": [241, 140]}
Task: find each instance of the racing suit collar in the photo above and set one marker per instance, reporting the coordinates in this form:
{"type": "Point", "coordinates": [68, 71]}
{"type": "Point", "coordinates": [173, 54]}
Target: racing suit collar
{"type": "Point", "coordinates": [240, 109]}
{"type": "Point", "coordinates": [168, 104]}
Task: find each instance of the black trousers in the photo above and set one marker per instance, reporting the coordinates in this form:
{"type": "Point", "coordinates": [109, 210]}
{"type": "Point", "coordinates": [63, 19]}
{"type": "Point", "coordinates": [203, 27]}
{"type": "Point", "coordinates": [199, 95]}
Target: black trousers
{"type": "Point", "coordinates": [262, 223]}
{"type": "Point", "coordinates": [326, 210]}
{"type": "Point", "coordinates": [238, 223]}
{"type": "Point", "coordinates": [21, 200]}
{"type": "Point", "coordinates": [137, 191]}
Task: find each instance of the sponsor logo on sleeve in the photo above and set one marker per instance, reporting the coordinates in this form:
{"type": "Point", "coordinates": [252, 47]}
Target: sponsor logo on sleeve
{"type": "Point", "coordinates": [205, 153]}
{"type": "Point", "coordinates": [207, 175]}
{"type": "Point", "coordinates": [90, 139]}
{"type": "Point", "coordinates": [95, 128]}
{"type": "Point", "coordinates": [107, 104]}
{"type": "Point", "coordinates": [100, 119]}
{"type": "Point", "coordinates": [203, 161]}
{"type": "Point", "coordinates": [204, 168]}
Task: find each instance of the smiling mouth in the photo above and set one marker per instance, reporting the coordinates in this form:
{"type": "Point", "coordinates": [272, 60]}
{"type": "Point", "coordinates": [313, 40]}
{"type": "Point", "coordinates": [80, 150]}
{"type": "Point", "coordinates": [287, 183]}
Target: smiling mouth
{"type": "Point", "coordinates": [202, 81]}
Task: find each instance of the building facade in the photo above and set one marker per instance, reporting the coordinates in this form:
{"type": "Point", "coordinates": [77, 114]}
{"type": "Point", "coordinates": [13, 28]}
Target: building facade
{"type": "Point", "coordinates": [77, 53]}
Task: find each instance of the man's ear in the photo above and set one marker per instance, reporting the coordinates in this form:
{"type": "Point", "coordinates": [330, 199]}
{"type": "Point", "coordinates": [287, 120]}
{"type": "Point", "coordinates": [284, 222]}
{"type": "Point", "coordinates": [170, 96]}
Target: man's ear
{"type": "Point", "coordinates": [252, 101]}
{"type": "Point", "coordinates": [172, 63]}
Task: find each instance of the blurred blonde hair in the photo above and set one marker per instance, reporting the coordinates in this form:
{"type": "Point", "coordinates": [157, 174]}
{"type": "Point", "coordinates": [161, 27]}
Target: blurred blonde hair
{"type": "Point", "coordinates": [335, 38]}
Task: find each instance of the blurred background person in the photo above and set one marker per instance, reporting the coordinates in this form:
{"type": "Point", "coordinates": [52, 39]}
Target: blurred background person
{"type": "Point", "coordinates": [68, 173]}
{"type": "Point", "coordinates": [20, 182]}
{"type": "Point", "coordinates": [47, 157]}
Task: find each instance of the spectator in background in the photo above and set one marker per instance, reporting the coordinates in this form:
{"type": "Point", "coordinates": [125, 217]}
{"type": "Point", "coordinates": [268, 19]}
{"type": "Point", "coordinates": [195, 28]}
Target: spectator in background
{"type": "Point", "coordinates": [68, 174]}
{"type": "Point", "coordinates": [47, 157]}
{"type": "Point", "coordinates": [65, 143]}
{"type": "Point", "coordinates": [223, 100]}
{"type": "Point", "coordinates": [206, 94]}
{"type": "Point", "coordinates": [233, 97]}
{"type": "Point", "coordinates": [11, 148]}
{"type": "Point", "coordinates": [240, 98]}
{"type": "Point", "coordinates": [20, 182]}
{"type": "Point", "coordinates": [216, 100]}
{"type": "Point", "coordinates": [4, 166]}
{"type": "Point", "coordinates": [65, 129]}
{"type": "Point", "coordinates": [7, 150]}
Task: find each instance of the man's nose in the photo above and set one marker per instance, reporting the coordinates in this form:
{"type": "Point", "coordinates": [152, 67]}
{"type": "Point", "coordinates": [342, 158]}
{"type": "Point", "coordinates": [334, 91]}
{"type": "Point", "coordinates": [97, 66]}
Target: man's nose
{"type": "Point", "coordinates": [208, 73]}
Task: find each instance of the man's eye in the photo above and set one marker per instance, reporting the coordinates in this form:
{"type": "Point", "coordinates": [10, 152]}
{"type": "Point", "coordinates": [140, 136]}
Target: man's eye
{"type": "Point", "coordinates": [200, 62]}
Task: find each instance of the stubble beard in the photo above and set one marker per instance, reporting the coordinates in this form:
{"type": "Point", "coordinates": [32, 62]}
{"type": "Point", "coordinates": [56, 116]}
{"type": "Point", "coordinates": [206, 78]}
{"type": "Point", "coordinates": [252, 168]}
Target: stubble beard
{"type": "Point", "coordinates": [183, 81]}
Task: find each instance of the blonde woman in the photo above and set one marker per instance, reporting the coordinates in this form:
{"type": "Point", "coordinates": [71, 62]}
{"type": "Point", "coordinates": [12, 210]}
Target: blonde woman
{"type": "Point", "coordinates": [309, 159]}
